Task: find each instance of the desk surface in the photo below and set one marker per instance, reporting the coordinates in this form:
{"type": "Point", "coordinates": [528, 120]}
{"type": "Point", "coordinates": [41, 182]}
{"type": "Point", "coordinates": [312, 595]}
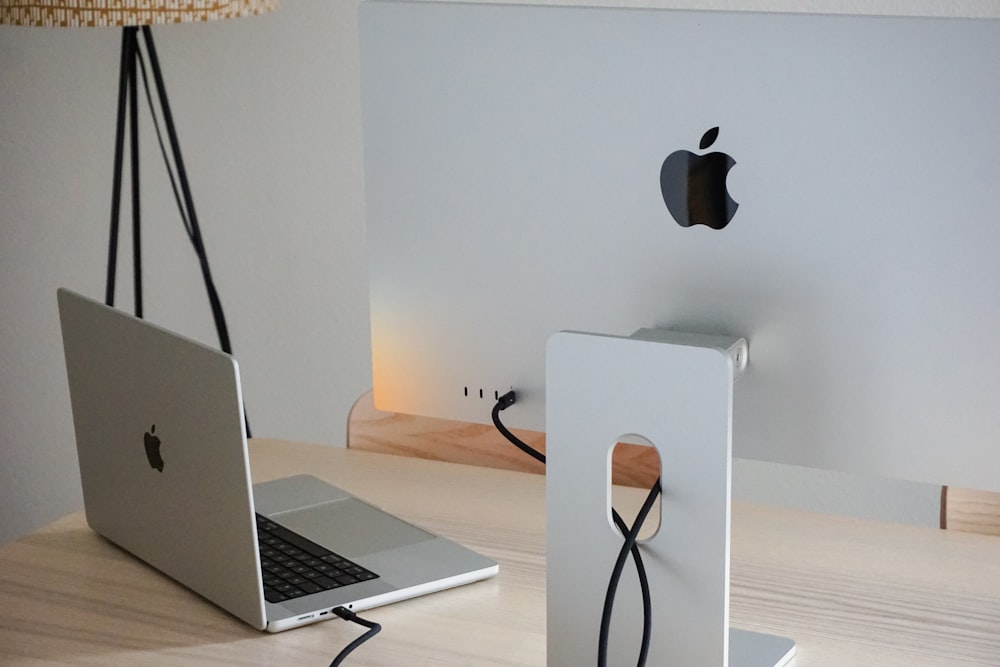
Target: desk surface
{"type": "Point", "coordinates": [851, 592]}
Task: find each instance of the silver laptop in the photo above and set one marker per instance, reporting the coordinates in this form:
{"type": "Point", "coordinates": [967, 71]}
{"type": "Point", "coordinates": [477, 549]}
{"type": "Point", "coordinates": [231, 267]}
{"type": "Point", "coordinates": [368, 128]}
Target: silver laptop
{"type": "Point", "coordinates": [163, 461]}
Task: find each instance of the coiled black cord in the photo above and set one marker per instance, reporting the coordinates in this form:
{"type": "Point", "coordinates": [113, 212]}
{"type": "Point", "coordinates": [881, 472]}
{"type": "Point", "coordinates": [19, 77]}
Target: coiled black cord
{"type": "Point", "coordinates": [630, 546]}
{"type": "Point", "coordinates": [609, 598]}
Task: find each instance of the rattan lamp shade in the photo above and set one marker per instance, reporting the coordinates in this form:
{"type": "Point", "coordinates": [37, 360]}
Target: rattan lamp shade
{"type": "Point", "coordinates": [70, 13]}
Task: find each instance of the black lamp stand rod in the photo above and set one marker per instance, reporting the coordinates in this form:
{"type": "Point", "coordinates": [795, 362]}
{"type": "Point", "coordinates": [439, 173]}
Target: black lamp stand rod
{"type": "Point", "coordinates": [128, 94]}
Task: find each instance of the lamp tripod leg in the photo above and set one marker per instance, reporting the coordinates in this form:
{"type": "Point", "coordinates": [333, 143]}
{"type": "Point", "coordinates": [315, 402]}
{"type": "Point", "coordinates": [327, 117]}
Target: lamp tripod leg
{"type": "Point", "coordinates": [126, 66]}
{"type": "Point", "coordinates": [128, 94]}
{"type": "Point", "coordinates": [187, 205]}
{"type": "Point", "coordinates": [133, 102]}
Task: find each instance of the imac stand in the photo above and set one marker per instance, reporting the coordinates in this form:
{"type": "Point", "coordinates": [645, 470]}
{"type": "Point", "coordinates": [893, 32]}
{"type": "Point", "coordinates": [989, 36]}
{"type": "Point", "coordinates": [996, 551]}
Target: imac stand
{"type": "Point", "coordinates": [674, 390]}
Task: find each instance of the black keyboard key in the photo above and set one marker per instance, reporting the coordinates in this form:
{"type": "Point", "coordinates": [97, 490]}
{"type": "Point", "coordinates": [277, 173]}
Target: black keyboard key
{"type": "Point", "coordinates": [272, 569]}
{"type": "Point", "coordinates": [326, 582]}
{"type": "Point", "coordinates": [293, 566]}
{"type": "Point", "coordinates": [274, 596]}
{"type": "Point", "coordinates": [297, 541]}
{"type": "Point", "coordinates": [309, 587]}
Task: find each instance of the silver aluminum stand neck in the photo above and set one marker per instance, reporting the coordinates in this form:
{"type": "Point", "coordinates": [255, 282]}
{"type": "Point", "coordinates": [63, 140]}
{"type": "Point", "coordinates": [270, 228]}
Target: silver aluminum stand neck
{"type": "Point", "coordinates": [674, 390]}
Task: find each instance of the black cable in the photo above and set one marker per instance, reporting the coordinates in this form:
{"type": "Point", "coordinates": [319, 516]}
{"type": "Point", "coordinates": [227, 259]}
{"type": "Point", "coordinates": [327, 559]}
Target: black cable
{"type": "Point", "coordinates": [185, 205]}
{"type": "Point", "coordinates": [194, 231]}
{"type": "Point", "coordinates": [163, 148]}
{"type": "Point", "coordinates": [503, 403]}
{"type": "Point", "coordinates": [616, 573]}
{"type": "Point", "coordinates": [629, 547]}
{"type": "Point", "coordinates": [348, 615]}
{"type": "Point", "coordinates": [647, 602]}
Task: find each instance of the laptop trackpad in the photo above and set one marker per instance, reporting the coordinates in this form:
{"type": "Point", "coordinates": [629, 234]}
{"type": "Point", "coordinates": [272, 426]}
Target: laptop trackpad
{"type": "Point", "coordinates": [352, 528]}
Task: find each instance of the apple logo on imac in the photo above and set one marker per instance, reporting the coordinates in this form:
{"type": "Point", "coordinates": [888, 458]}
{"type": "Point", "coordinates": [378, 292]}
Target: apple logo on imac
{"type": "Point", "coordinates": [694, 186]}
{"type": "Point", "coordinates": [152, 444]}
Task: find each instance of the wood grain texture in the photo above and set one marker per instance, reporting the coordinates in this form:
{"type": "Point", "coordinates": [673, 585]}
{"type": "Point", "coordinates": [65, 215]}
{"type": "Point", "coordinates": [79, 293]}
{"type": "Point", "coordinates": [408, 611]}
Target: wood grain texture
{"type": "Point", "coordinates": [970, 510]}
{"type": "Point", "coordinates": [850, 591]}
{"type": "Point", "coordinates": [373, 430]}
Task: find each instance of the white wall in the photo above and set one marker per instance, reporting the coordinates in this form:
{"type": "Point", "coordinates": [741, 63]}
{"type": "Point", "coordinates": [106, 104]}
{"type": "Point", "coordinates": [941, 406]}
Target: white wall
{"type": "Point", "coordinates": [268, 114]}
{"type": "Point", "coordinates": [267, 110]}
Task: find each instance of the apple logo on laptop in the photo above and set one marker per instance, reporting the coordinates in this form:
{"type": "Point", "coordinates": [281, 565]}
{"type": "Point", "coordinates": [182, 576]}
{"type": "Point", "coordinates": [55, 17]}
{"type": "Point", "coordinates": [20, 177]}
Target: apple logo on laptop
{"type": "Point", "coordinates": [694, 186]}
{"type": "Point", "coordinates": [152, 444]}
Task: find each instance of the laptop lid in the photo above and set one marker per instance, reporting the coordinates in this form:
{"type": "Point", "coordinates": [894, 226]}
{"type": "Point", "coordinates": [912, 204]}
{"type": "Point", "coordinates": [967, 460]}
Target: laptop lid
{"type": "Point", "coordinates": [165, 473]}
{"type": "Point", "coordinates": [162, 450]}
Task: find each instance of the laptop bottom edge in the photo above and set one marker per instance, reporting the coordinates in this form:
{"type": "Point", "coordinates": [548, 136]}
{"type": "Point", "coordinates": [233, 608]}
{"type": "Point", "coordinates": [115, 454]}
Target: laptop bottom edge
{"type": "Point", "coordinates": [294, 621]}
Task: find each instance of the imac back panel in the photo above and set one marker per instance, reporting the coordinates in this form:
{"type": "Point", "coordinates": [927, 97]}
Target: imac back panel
{"type": "Point", "coordinates": [521, 166]}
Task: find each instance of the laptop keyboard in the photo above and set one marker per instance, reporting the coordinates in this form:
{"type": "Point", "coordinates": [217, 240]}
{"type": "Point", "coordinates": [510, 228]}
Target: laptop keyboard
{"type": "Point", "coordinates": [293, 566]}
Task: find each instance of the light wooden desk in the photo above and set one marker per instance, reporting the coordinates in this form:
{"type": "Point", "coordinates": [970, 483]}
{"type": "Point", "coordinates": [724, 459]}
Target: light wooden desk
{"type": "Point", "coordinates": [850, 592]}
